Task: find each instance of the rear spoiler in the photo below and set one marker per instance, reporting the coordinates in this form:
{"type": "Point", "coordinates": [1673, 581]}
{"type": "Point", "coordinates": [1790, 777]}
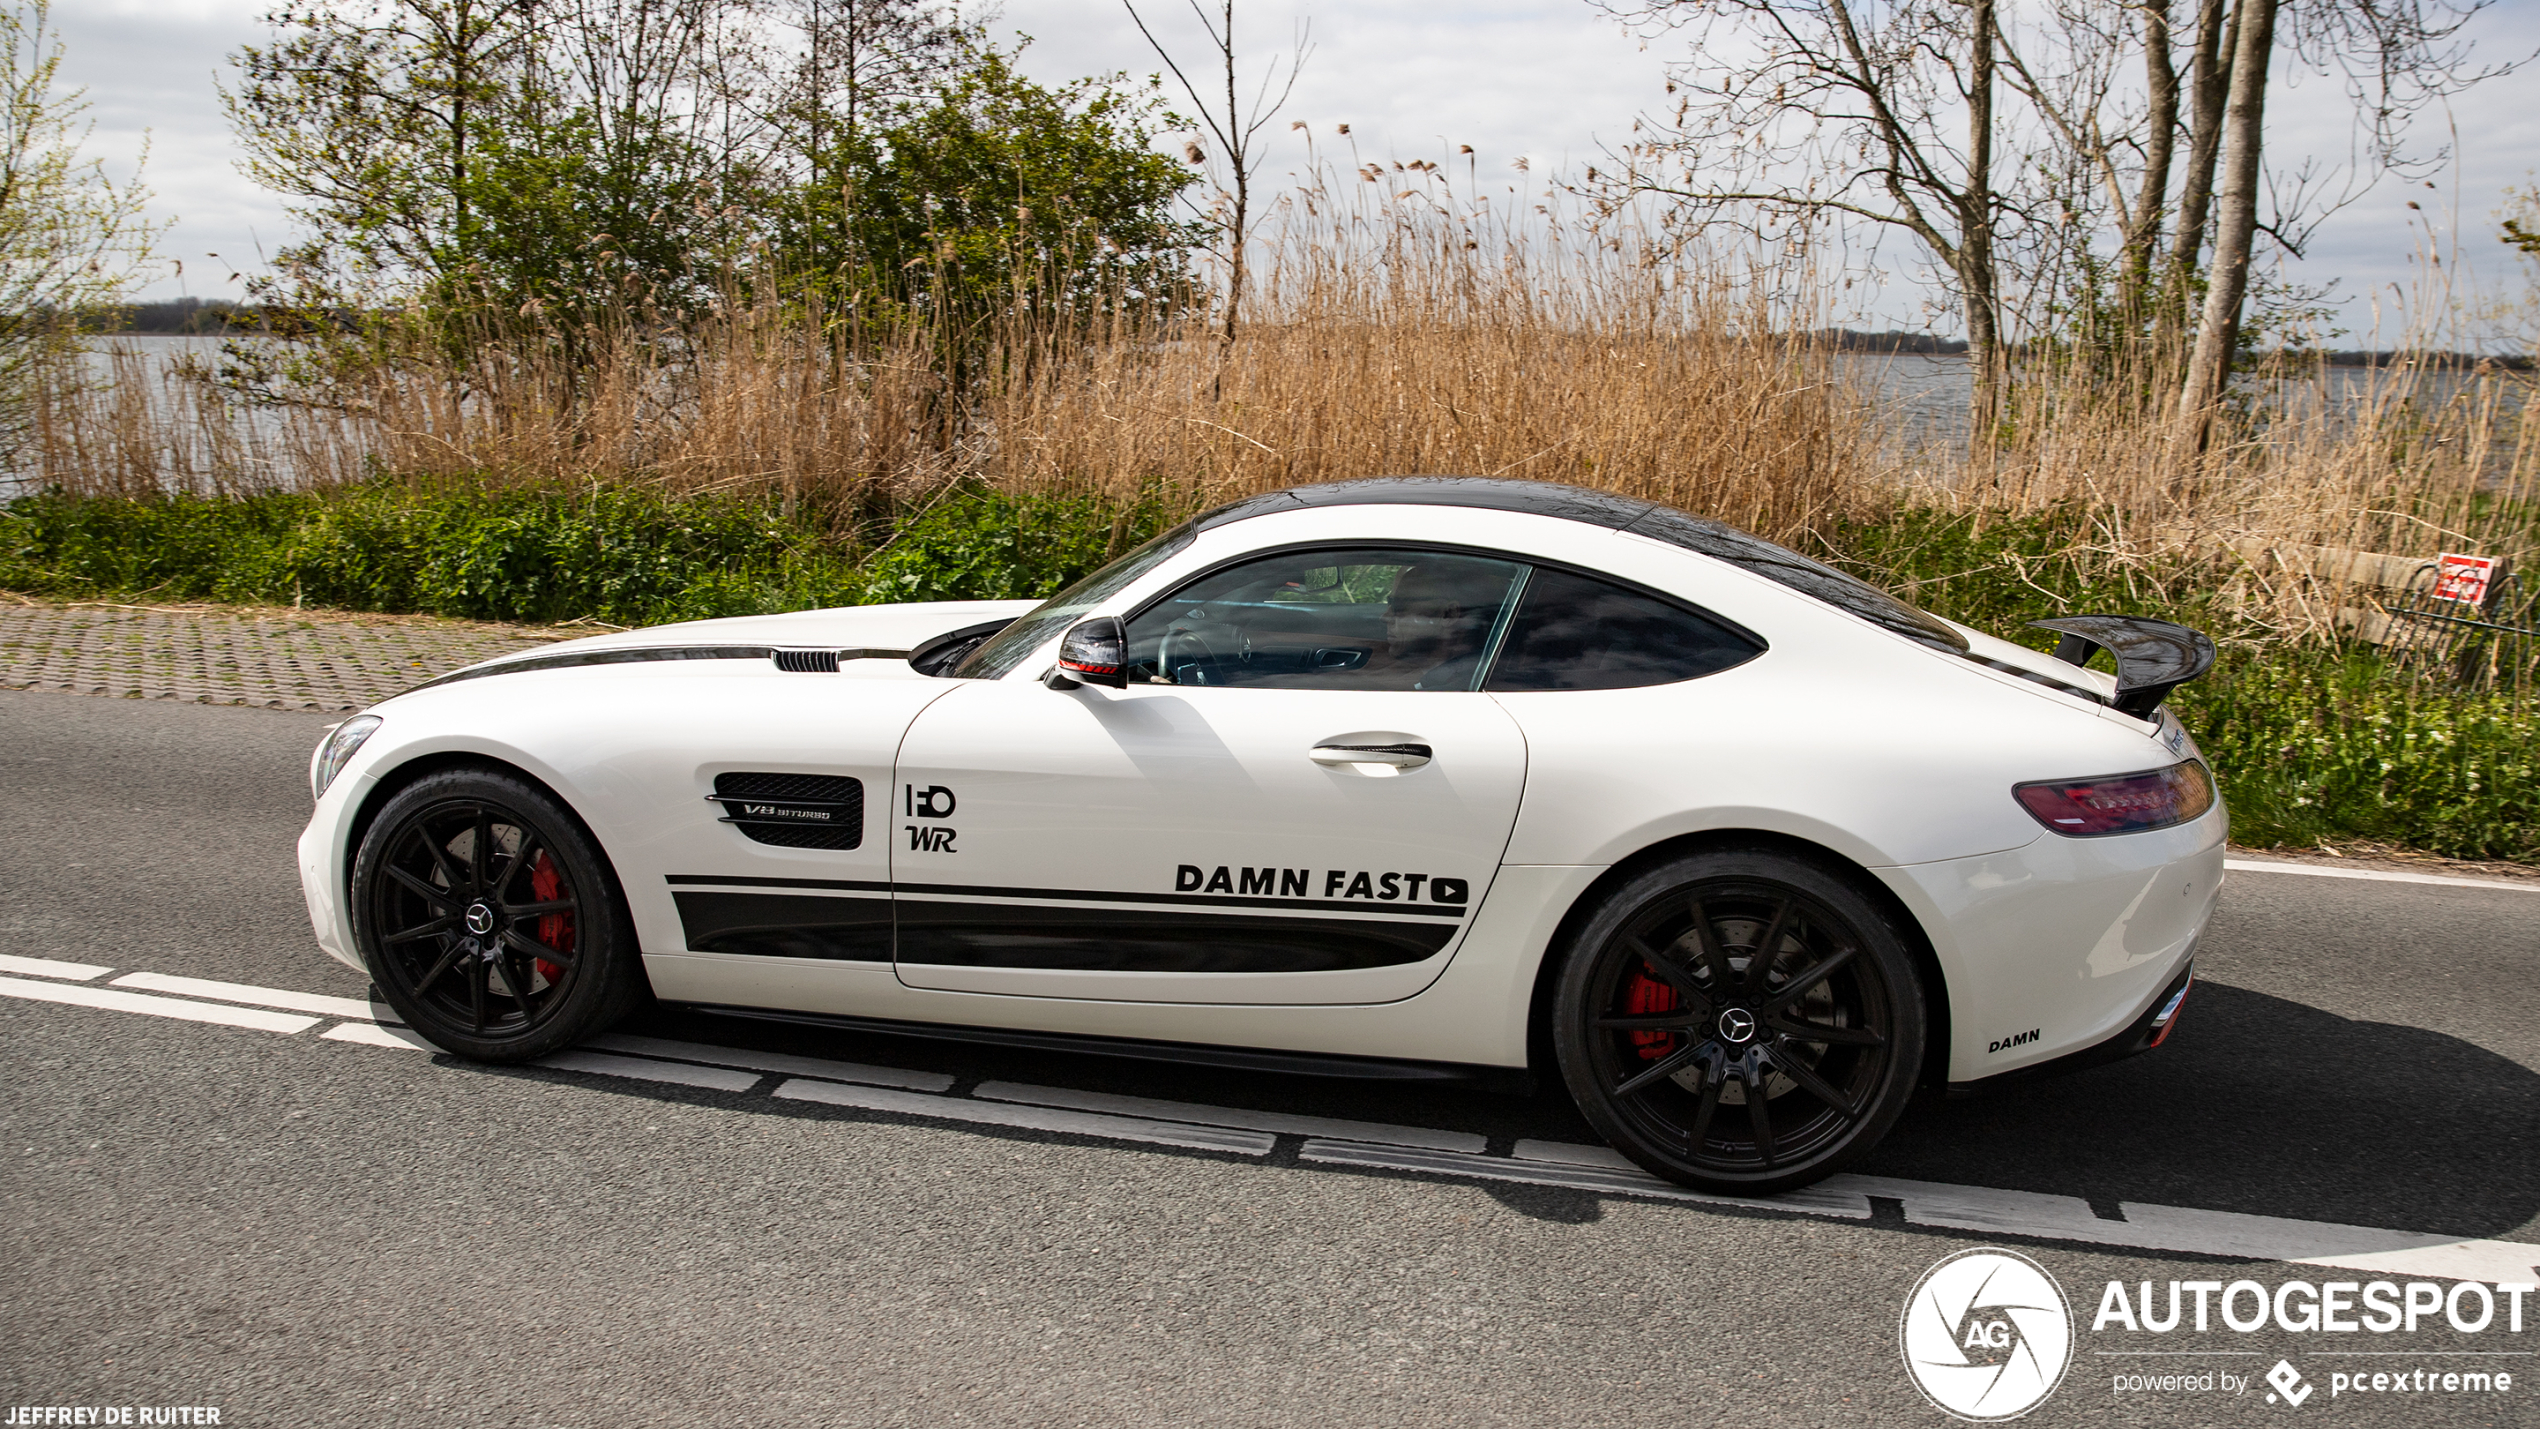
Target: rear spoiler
{"type": "Point", "coordinates": [2153, 657]}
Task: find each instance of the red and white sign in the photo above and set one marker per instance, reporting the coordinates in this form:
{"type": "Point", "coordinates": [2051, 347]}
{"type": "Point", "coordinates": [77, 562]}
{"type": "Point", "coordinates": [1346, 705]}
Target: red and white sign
{"type": "Point", "coordinates": [2466, 579]}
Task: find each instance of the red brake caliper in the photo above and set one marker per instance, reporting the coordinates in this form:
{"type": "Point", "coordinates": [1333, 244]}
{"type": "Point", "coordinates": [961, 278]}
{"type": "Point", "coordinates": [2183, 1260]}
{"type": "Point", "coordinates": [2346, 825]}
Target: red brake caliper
{"type": "Point", "coordinates": [554, 929]}
{"type": "Point", "coordinates": [1646, 996]}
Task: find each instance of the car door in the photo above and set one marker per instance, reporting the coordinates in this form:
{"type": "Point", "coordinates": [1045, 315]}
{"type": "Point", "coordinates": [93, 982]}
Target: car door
{"type": "Point", "coordinates": [1300, 797]}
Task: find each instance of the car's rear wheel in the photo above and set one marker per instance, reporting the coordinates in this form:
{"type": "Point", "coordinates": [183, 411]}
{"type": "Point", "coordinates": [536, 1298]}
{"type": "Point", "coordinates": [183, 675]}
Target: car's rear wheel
{"type": "Point", "coordinates": [1740, 1021]}
{"type": "Point", "coordinates": [490, 920]}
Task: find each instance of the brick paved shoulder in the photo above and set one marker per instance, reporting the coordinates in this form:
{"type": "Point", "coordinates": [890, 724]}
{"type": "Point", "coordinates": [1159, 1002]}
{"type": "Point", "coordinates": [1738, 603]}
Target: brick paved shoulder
{"type": "Point", "coordinates": [228, 655]}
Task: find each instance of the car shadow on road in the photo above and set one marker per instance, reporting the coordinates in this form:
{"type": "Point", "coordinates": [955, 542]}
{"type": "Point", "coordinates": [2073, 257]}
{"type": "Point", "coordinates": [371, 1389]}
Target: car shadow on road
{"type": "Point", "coordinates": [2264, 1106]}
{"type": "Point", "coordinates": [2256, 1104]}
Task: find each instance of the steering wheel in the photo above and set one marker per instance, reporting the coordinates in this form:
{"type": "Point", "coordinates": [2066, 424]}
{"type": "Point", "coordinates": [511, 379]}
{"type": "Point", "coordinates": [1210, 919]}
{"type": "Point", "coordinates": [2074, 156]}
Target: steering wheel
{"type": "Point", "coordinates": [1187, 656]}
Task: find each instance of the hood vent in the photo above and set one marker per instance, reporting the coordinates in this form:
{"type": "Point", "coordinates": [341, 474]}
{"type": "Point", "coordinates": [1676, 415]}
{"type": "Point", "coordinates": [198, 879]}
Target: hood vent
{"type": "Point", "coordinates": [808, 662]}
{"type": "Point", "coordinates": [793, 810]}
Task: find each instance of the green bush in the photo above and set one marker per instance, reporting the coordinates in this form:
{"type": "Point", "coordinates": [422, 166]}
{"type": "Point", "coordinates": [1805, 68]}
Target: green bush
{"type": "Point", "coordinates": [625, 556]}
{"type": "Point", "coordinates": [989, 546]}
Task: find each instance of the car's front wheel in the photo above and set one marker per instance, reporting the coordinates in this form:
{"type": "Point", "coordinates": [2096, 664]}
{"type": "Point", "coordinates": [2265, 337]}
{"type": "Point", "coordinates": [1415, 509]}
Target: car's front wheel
{"type": "Point", "coordinates": [489, 918]}
{"type": "Point", "coordinates": [1740, 1021]}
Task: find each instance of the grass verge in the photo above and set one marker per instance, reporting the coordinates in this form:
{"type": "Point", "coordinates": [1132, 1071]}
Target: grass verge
{"type": "Point", "coordinates": [2315, 743]}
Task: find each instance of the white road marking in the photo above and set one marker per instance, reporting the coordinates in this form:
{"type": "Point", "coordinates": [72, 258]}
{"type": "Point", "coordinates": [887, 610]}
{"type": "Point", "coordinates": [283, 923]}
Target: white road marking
{"type": "Point", "coordinates": [1270, 1121]}
{"type": "Point", "coordinates": [644, 1069]}
{"type": "Point", "coordinates": [48, 967]}
{"type": "Point", "coordinates": [2506, 1261]}
{"type": "Point", "coordinates": [1981, 1209]}
{"type": "Point", "coordinates": [1572, 1153]}
{"type": "Point", "coordinates": [371, 1035]}
{"type": "Point", "coordinates": [782, 1063]}
{"type": "Point", "coordinates": [2310, 870]}
{"type": "Point", "coordinates": [1986, 1209]}
{"type": "Point", "coordinates": [356, 1008]}
{"type": "Point", "coordinates": [183, 1011]}
{"type": "Point", "coordinates": [1080, 1123]}
{"type": "Point", "coordinates": [1811, 1200]}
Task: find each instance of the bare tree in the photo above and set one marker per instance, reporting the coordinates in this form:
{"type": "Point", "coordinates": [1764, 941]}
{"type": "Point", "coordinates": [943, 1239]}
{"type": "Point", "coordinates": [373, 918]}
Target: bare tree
{"type": "Point", "coordinates": [2236, 214]}
{"type": "Point", "coordinates": [2397, 57]}
{"type": "Point", "coordinates": [1234, 125]}
{"type": "Point", "coordinates": [1813, 109]}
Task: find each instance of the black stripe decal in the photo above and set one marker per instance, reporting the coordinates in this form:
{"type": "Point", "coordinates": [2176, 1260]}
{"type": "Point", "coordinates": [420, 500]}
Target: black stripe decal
{"type": "Point", "coordinates": [1085, 895]}
{"type": "Point", "coordinates": [1200, 900]}
{"type": "Point", "coordinates": [718, 880]}
{"type": "Point", "coordinates": [778, 925]}
{"type": "Point", "coordinates": [607, 657]}
{"type": "Point", "coordinates": [988, 935]}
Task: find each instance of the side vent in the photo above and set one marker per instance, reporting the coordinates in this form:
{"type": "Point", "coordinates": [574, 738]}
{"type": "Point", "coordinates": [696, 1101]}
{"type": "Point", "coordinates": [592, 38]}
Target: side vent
{"type": "Point", "coordinates": [793, 810]}
{"type": "Point", "coordinates": [808, 662]}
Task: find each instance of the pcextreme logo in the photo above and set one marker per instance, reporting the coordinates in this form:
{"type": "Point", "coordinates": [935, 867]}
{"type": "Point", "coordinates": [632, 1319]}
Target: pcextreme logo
{"type": "Point", "coordinates": [1986, 1335]}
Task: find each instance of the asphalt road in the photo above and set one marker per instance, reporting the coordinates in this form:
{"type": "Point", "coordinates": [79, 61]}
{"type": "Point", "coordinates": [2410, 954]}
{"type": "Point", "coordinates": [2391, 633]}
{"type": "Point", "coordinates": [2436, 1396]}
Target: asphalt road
{"type": "Point", "coordinates": [301, 1231]}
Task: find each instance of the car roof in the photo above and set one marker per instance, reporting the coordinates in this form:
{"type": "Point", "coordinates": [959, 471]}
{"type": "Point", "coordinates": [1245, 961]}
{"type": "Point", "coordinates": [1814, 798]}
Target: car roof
{"type": "Point", "coordinates": [1698, 534]}
{"type": "Point", "coordinates": [1539, 498]}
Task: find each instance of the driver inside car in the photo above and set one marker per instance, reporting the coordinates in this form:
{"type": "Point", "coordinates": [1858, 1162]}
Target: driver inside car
{"type": "Point", "coordinates": [1372, 619]}
{"type": "Point", "coordinates": [1437, 620]}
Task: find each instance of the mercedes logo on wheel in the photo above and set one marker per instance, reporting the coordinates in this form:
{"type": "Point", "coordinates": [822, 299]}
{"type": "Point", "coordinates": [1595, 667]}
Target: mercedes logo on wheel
{"type": "Point", "coordinates": [1737, 1025]}
{"type": "Point", "coordinates": [480, 919]}
{"type": "Point", "coordinates": [1987, 1335]}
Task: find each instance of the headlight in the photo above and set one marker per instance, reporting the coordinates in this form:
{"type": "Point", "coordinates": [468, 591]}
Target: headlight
{"type": "Point", "coordinates": [336, 750]}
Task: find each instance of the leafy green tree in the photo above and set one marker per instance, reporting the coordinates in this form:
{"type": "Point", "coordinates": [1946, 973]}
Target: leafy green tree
{"type": "Point", "coordinates": [995, 191]}
{"type": "Point", "coordinates": [858, 62]}
{"type": "Point", "coordinates": [531, 154]}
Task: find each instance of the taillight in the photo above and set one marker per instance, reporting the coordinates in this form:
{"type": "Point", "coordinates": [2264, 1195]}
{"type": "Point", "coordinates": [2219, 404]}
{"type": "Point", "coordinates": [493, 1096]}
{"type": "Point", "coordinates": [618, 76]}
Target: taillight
{"type": "Point", "coordinates": [2120, 803]}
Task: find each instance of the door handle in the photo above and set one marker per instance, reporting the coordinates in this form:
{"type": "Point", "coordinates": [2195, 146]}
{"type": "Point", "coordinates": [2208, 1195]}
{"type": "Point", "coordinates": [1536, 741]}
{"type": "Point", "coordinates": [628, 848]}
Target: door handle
{"type": "Point", "coordinates": [1399, 756]}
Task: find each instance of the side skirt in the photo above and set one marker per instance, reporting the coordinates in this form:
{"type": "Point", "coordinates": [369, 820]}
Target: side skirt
{"type": "Point", "coordinates": [1244, 1059]}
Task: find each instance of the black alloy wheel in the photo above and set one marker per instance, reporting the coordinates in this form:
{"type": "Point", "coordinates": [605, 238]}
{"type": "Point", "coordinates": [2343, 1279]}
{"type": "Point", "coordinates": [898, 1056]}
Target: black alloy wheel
{"type": "Point", "coordinates": [489, 918]}
{"type": "Point", "coordinates": [1740, 1021]}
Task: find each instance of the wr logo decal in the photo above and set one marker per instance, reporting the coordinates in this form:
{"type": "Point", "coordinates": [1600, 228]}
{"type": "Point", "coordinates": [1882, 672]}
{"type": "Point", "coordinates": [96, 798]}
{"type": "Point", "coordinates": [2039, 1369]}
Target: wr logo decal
{"type": "Point", "coordinates": [935, 801]}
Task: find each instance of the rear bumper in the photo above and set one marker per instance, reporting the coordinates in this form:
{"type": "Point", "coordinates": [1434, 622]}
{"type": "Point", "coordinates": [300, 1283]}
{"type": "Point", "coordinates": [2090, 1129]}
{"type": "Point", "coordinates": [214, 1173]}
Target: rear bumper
{"type": "Point", "coordinates": [2058, 947]}
{"type": "Point", "coordinates": [2141, 1035]}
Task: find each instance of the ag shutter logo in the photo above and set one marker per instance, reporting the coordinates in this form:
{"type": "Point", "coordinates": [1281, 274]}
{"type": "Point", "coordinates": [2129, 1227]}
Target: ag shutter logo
{"type": "Point", "coordinates": [1986, 1335]}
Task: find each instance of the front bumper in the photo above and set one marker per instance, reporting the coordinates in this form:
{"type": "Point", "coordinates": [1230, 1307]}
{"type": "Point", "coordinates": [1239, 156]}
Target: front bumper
{"type": "Point", "coordinates": [324, 877]}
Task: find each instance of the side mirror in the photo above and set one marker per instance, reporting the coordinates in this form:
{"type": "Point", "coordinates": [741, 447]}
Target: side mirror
{"type": "Point", "coordinates": [1094, 652]}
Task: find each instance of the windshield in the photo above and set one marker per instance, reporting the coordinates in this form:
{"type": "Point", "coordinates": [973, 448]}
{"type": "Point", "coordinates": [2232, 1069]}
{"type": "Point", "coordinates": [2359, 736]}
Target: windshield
{"type": "Point", "coordinates": [1015, 644]}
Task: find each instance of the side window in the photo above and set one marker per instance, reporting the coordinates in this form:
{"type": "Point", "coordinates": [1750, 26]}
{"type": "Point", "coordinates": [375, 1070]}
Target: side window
{"type": "Point", "coordinates": [1367, 619]}
{"type": "Point", "coordinates": [1574, 632]}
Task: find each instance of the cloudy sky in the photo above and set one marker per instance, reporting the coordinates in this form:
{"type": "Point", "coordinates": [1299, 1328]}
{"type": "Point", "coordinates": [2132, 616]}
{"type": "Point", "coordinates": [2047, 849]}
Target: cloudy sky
{"type": "Point", "coordinates": [1547, 79]}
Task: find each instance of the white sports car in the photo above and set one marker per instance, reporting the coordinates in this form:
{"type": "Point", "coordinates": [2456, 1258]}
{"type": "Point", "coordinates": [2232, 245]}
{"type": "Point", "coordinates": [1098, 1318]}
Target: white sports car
{"type": "Point", "coordinates": [1401, 777]}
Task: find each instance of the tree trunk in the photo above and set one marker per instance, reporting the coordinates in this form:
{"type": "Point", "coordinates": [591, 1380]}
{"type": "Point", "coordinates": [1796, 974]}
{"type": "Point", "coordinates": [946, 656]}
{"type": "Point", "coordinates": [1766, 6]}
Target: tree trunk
{"type": "Point", "coordinates": [2235, 222]}
{"type": "Point", "coordinates": [2143, 230]}
{"type": "Point", "coordinates": [2208, 74]}
{"type": "Point", "coordinates": [1238, 156]}
{"type": "Point", "coordinates": [1977, 281]}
